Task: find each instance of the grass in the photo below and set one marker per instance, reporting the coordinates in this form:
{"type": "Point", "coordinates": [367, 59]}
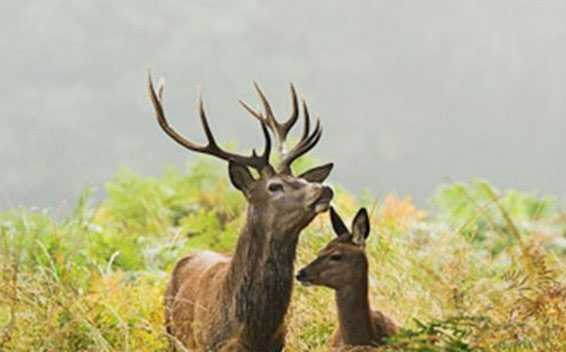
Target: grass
{"type": "Point", "coordinates": [479, 270]}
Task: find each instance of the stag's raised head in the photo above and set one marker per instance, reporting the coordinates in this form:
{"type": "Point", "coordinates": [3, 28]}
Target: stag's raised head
{"type": "Point", "coordinates": [278, 199]}
{"type": "Point", "coordinates": [343, 261]}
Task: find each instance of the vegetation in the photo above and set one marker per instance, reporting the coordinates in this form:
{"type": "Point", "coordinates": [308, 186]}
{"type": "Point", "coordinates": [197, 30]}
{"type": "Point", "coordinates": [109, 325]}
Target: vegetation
{"type": "Point", "coordinates": [480, 271]}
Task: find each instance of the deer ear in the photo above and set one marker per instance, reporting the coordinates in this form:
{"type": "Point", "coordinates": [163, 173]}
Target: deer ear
{"type": "Point", "coordinates": [337, 223]}
{"type": "Point", "coordinates": [360, 227]}
{"type": "Point", "coordinates": [317, 174]}
{"type": "Point", "coordinates": [241, 177]}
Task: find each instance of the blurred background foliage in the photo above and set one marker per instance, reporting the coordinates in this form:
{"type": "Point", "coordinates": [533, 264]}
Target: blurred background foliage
{"type": "Point", "coordinates": [479, 270]}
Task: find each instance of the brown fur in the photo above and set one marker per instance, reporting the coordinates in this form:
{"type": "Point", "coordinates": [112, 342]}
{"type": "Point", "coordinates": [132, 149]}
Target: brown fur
{"type": "Point", "coordinates": [219, 303]}
{"type": "Point", "coordinates": [343, 266]}
{"type": "Point", "coordinates": [358, 324]}
{"type": "Point", "coordinates": [214, 301]}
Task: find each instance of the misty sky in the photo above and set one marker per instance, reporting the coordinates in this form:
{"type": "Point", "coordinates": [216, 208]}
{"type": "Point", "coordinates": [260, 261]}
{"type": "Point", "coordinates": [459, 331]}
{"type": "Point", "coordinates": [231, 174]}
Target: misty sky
{"type": "Point", "coordinates": [412, 94]}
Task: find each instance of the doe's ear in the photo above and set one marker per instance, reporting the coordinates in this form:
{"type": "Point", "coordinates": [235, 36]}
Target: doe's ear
{"type": "Point", "coordinates": [241, 177]}
{"type": "Point", "coordinates": [317, 174]}
{"type": "Point", "coordinates": [337, 223]}
{"type": "Point", "coordinates": [360, 227]}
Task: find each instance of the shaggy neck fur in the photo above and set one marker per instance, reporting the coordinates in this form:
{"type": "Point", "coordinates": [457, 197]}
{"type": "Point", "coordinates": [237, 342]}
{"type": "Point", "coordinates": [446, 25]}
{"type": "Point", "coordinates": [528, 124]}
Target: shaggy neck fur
{"type": "Point", "coordinates": [260, 281]}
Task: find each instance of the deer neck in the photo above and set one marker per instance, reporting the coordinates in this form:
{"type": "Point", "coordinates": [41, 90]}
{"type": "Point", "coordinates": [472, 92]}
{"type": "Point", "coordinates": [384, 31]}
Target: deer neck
{"type": "Point", "coordinates": [354, 313]}
{"type": "Point", "coordinates": [260, 279]}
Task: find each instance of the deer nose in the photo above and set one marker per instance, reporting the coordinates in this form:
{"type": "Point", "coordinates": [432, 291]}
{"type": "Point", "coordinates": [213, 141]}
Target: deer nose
{"type": "Point", "coordinates": [327, 193]}
{"type": "Point", "coordinates": [301, 275]}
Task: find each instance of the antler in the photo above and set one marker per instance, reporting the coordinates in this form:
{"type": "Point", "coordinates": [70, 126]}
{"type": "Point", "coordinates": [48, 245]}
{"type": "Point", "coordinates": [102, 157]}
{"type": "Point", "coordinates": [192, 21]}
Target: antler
{"type": "Point", "coordinates": [281, 130]}
{"type": "Point", "coordinates": [259, 162]}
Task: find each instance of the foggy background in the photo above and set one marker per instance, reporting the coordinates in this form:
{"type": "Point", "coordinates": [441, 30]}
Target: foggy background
{"type": "Point", "coordinates": [412, 94]}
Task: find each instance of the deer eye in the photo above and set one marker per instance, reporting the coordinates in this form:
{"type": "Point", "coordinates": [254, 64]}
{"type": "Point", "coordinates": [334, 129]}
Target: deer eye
{"type": "Point", "coordinates": [275, 187]}
{"type": "Point", "coordinates": [335, 257]}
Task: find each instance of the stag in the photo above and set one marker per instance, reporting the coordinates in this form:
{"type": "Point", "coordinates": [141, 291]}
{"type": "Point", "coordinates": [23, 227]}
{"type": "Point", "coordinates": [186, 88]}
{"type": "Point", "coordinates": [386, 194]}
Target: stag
{"type": "Point", "coordinates": [216, 302]}
{"type": "Point", "coordinates": [343, 266]}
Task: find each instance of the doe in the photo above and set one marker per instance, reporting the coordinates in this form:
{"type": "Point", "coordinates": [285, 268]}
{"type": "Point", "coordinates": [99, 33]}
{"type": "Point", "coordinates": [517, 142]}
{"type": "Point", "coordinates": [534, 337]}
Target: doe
{"type": "Point", "coordinates": [343, 266]}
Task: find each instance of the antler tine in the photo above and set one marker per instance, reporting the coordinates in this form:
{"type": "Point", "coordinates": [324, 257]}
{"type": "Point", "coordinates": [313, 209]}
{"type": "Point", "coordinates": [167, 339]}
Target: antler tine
{"type": "Point", "coordinates": [205, 125]}
{"type": "Point", "coordinates": [299, 150]}
{"type": "Point", "coordinates": [211, 148]}
{"type": "Point", "coordinates": [295, 113]}
{"type": "Point", "coordinates": [279, 129]}
{"type": "Point", "coordinates": [251, 110]}
{"type": "Point", "coordinates": [306, 127]}
{"type": "Point", "coordinates": [306, 143]}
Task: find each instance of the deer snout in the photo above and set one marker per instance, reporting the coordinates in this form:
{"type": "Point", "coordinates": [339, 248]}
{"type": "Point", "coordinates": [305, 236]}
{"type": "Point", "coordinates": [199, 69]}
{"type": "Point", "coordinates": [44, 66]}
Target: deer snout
{"type": "Point", "coordinates": [322, 200]}
{"type": "Point", "coordinates": [326, 193]}
{"type": "Point", "coordinates": [302, 277]}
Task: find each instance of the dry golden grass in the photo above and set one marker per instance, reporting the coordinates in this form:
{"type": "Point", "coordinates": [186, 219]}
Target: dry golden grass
{"type": "Point", "coordinates": [478, 271]}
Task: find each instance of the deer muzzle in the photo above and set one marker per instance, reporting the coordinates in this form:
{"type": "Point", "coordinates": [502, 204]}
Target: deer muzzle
{"type": "Point", "coordinates": [302, 277]}
{"type": "Point", "coordinates": [322, 202]}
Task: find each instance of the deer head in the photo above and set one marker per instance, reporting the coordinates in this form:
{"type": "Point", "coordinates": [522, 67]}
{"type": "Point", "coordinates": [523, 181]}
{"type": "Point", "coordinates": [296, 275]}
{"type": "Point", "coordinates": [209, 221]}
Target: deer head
{"type": "Point", "coordinates": [343, 261]}
{"type": "Point", "coordinates": [278, 199]}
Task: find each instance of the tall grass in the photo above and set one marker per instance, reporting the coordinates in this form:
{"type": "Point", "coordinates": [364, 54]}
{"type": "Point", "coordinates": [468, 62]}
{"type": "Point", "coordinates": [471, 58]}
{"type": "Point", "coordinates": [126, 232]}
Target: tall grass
{"type": "Point", "coordinates": [478, 271]}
